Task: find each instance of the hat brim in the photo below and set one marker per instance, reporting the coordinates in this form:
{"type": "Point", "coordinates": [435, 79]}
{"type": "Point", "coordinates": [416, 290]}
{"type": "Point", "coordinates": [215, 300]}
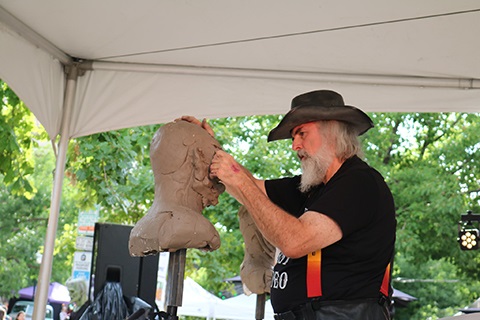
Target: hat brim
{"type": "Point", "coordinates": [359, 120]}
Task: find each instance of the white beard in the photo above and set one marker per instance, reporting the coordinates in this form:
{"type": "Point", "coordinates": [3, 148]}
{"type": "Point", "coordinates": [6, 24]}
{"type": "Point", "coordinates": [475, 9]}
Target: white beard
{"type": "Point", "coordinates": [314, 168]}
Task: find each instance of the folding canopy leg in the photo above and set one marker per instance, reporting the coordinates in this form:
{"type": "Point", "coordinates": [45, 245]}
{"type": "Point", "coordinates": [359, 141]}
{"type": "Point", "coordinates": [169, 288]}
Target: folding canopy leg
{"type": "Point", "coordinates": [45, 273]}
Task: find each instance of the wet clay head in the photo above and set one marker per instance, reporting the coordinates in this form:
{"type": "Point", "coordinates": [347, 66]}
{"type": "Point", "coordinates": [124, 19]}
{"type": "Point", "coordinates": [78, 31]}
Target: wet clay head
{"type": "Point", "coordinates": [180, 155]}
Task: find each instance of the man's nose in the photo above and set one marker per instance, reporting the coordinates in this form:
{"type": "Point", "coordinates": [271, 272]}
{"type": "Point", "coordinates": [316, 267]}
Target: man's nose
{"type": "Point", "coordinates": [296, 145]}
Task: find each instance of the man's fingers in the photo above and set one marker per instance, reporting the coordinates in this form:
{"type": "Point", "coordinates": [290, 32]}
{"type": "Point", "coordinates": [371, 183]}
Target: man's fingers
{"type": "Point", "coordinates": [207, 127]}
{"type": "Point", "coordinates": [215, 164]}
{"type": "Point", "coordinates": [190, 119]}
{"type": "Point", "coordinates": [202, 123]}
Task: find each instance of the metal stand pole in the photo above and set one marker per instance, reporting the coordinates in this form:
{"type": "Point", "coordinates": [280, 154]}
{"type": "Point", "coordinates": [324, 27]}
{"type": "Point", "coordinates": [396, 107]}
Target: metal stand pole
{"type": "Point", "coordinates": [176, 273]}
{"type": "Point", "coordinates": [260, 307]}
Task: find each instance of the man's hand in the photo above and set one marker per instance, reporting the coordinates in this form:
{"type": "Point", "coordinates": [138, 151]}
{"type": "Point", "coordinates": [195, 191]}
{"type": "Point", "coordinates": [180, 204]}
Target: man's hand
{"type": "Point", "coordinates": [225, 168]}
{"type": "Point", "coordinates": [231, 174]}
{"type": "Point", "coordinates": [202, 123]}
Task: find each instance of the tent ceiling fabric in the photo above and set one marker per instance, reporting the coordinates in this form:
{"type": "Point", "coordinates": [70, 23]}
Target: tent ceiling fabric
{"type": "Point", "coordinates": [217, 58]}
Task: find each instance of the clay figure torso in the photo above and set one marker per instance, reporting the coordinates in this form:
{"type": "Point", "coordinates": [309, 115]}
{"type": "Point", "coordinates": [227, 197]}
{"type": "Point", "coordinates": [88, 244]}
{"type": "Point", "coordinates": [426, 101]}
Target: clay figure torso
{"type": "Point", "coordinates": [180, 155]}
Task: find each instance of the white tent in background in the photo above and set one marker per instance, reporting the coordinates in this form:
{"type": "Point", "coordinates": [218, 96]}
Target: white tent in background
{"type": "Point", "coordinates": [198, 302]}
{"type": "Point", "coordinates": [244, 307]}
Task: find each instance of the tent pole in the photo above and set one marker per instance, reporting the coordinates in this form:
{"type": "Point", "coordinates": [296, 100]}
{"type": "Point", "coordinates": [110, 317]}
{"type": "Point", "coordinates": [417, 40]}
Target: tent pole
{"type": "Point", "coordinates": [41, 294]}
{"type": "Point", "coordinates": [33, 37]}
{"type": "Point", "coordinates": [368, 79]}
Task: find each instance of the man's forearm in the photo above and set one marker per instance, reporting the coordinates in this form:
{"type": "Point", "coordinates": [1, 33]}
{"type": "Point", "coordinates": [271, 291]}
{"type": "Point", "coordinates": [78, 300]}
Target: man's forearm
{"type": "Point", "coordinates": [274, 223]}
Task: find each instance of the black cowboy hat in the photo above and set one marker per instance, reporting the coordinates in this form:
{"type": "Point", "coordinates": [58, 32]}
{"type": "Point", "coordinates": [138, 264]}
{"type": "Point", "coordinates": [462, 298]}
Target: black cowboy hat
{"type": "Point", "coordinates": [320, 105]}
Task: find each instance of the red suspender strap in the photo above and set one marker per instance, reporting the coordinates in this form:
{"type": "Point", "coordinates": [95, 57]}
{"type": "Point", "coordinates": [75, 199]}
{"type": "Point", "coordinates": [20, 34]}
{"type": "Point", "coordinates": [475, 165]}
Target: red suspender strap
{"type": "Point", "coordinates": [314, 274]}
{"type": "Point", "coordinates": [386, 282]}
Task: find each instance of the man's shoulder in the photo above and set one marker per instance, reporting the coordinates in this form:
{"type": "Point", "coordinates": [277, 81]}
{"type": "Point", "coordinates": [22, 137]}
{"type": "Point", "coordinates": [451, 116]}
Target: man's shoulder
{"type": "Point", "coordinates": [360, 168]}
{"type": "Point", "coordinates": [294, 180]}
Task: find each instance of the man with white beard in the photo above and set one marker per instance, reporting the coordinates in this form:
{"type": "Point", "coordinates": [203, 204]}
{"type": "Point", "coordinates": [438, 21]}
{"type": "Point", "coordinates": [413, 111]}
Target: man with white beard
{"type": "Point", "coordinates": [334, 225]}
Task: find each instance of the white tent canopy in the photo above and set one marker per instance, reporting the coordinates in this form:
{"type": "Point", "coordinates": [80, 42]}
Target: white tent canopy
{"type": "Point", "coordinates": [91, 66]}
{"type": "Point", "coordinates": [152, 61]}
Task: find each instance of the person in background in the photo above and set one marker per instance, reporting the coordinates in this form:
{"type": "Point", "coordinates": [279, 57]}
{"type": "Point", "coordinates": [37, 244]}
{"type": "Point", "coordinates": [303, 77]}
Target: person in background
{"type": "Point", "coordinates": [5, 306]}
{"type": "Point", "coordinates": [3, 313]}
{"type": "Point", "coordinates": [78, 290]}
{"type": "Point", "coordinates": [64, 313]}
{"type": "Point", "coordinates": [334, 225]}
{"type": "Point", "coordinates": [20, 315]}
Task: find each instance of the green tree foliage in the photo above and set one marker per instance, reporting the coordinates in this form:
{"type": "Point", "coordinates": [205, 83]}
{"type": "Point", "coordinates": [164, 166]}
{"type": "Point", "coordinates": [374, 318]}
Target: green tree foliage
{"type": "Point", "coordinates": [429, 160]}
{"type": "Point", "coordinates": [429, 163]}
{"type": "Point", "coordinates": [26, 173]}
{"type": "Point", "coordinates": [113, 169]}
{"type": "Point", "coordinates": [17, 136]}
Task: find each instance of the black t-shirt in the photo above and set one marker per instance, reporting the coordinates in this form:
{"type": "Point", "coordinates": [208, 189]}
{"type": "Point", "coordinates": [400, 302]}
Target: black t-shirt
{"type": "Point", "coordinates": [359, 201]}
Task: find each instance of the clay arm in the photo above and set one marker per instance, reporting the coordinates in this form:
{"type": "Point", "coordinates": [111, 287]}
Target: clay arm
{"type": "Point", "coordinates": [259, 256]}
{"type": "Point", "coordinates": [295, 237]}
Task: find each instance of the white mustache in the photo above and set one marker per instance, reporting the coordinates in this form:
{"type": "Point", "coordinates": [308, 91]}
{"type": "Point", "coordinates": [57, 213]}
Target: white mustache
{"type": "Point", "coordinates": [302, 154]}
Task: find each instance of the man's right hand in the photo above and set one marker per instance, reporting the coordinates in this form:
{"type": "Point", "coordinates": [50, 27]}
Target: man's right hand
{"type": "Point", "coordinates": [202, 123]}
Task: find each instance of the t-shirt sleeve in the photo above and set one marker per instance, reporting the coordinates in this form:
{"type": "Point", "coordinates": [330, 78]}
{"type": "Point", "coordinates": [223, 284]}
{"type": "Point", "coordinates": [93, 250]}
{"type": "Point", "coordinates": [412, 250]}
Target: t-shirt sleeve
{"type": "Point", "coordinates": [285, 194]}
{"type": "Point", "coordinates": [350, 201]}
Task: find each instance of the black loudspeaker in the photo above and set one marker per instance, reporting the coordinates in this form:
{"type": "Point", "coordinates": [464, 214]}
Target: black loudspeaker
{"type": "Point", "coordinates": [111, 262]}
